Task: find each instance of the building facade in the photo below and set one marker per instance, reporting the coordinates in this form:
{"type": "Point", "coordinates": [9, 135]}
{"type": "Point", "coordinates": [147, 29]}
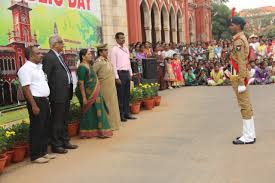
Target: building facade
{"type": "Point", "coordinates": [141, 20]}
{"type": "Point", "coordinates": [169, 20]}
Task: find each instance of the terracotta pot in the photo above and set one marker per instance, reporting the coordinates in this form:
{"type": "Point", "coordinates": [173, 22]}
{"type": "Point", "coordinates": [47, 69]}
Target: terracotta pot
{"type": "Point", "coordinates": [9, 155]}
{"type": "Point", "coordinates": [19, 153]}
{"type": "Point", "coordinates": [157, 100]}
{"type": "Point", "coordinates": [3, 159]}
{"type": "Point", "coordinates": [73, 129]}
{"type": "Point", "coordinates": [27, 151]}
{"type": "Point", "coordinates": [135, 108]}
{"type": "Point", "coordinates": [148, 104]}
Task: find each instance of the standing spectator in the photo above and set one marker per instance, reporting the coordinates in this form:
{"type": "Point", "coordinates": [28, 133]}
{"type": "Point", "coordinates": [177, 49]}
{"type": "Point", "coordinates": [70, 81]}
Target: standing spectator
{"type": "Point", "coordinates": [61, 87]}
{"type": "Point", "coordinates": [36, 92]}
{"type": "Point", "coordinates": [218, 51]}
{"type": "Point", "coordinates": [120, 57]}
{"type": "Point", "coordinates": [270, 49]}
{"type": "Point", "coordinates": [148, 49]}
{"type": "Point", "coordinates": [176, 65]}
{"type": "Point", "coordinates": [261, 50]}
{"type": "Point", "coordinates": [105, 73]}
{"type": "Point", "coordinates": [169, 74]}
{"type": "Point", "coordinates": [94, 122]}
{"type": "Point", "coordinates": [211, 52]}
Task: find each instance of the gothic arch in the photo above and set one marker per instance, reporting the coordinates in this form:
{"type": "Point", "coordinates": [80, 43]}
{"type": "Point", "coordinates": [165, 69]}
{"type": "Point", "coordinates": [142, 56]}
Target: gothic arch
{"type": "Point", "coordinates": [145, 23]}
{"type": "Point", "coordinates": [180, 27]}
{"type": "Point", "coordinates": [192, 28]}
{"type": "Point", "coordinates": [164, 24]}
{"type": "Point", "coordinates": [155, 22]}
{"type": "Point", "coordinates": [172, 24]}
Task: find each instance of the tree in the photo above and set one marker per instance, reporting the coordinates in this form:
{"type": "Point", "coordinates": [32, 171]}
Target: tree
{"type": "Point", "coordinates": [220, 15]}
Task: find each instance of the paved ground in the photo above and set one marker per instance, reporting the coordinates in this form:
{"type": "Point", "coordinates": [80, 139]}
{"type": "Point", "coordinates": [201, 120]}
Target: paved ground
{"type": "Point", "coordinates": [186, 140]}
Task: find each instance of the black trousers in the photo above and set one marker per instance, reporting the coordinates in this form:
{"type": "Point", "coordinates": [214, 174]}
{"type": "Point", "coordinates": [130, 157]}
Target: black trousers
{"type": "Point", "coordinates": [39, 128]}
{"type": "Point", "coordinates": [123, 93]}
{"type": "Point", "coordinates": [59, 125]}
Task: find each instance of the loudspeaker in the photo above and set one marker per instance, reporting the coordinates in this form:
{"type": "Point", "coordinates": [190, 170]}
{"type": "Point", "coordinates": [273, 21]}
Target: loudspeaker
{"type": "Point", "coordinates": [149, 67]}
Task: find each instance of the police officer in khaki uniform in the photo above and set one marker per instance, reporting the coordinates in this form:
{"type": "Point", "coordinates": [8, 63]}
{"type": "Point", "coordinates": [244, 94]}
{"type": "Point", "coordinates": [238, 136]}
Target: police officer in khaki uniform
{"type": "Point", "coordinates": [239, 80]}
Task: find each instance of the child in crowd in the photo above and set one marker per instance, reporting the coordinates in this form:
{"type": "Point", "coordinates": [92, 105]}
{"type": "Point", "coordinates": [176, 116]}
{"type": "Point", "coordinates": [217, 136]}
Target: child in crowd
{"type": "Point", "coordinates": [216, 76]}
{"type": "Point", "coordinates": [176, 64]}
{"type": "Point", "coordinates": [190, 78]}
{"type": "Point", "coordinates": [169, 74]}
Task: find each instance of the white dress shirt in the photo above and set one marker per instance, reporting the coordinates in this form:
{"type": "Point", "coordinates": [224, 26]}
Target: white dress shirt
{"type": "Point", "coordinates": [33, 75]}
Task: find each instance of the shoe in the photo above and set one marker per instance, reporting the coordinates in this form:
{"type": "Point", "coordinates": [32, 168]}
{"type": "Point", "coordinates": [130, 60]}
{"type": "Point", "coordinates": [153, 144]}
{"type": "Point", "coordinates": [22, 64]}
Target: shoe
{"type": "Point", "coordinates": [49, 156]}
{"type": "Point", "coordinates": [41, 160]}
{"type": "Point", "coordinates": [123, 119]}
{"type": "Point", "coordinates": [240, 137]}
{"type": "Point", "coordinates": [239, 142]}
{"type": "Point", "coordinates": [131, 117]}
{"type": "Point", "coordinates": [70, 146]}
{"type": "Point", "coordinates": [59, 150]}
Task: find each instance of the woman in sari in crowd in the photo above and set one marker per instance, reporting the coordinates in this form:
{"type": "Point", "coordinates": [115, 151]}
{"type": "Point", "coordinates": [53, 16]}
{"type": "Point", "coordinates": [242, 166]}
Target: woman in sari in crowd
{"type": "Point", "coordinates": [94, 122]}
{"type": "Point", "coordinates": [105, 73]}
{"type": "Point", "coordinates": [148, 49]}
{"type": "Point", "coordinates": [160, 67]}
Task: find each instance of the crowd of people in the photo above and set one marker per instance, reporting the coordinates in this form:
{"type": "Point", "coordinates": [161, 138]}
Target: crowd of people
{"type": "Point", "coordinates": [103, 87]}
{"type": "Point", "coordinates": [205, 63]}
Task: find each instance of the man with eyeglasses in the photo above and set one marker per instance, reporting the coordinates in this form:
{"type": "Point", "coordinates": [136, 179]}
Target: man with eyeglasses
{"type": "Point", "coordinates": [61, 87]}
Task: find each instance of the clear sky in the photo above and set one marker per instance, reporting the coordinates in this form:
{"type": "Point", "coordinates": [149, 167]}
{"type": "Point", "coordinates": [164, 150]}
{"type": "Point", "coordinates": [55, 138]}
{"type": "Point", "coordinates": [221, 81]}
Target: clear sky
{"type": "Point", "coordinates": [244, 4]}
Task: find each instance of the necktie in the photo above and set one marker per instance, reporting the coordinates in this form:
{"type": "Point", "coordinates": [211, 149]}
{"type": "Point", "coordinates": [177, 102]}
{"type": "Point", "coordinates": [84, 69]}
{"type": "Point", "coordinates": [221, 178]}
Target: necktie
{"type": "Point", "coordinates": [70, 79]}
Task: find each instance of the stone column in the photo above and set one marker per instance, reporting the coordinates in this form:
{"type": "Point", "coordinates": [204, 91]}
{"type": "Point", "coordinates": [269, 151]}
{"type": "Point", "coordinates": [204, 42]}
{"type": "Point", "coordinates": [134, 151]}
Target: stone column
{"type": "Point", "coordinates": [148, 33]}
{"type": "Point", "coordinates": [167, 34]}
{"type": "Point", "coordinates": [114, 19]}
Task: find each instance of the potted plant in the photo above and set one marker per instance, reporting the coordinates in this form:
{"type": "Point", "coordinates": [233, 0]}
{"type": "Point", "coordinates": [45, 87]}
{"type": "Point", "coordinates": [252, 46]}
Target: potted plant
{"type": "Point", "coordinates": [157, 98]}
{"type": "Point", "coordinates": [3, 144]}
{"type": "Point", "coordinates": [9, 135]}
{"type": "Point", "coordinates": [148, 96]}
{"type": "Point", "coordinates": [135, 99]}
{"type": "Point", "coordinates": [21, 141]}
{"type": "Point", "coordinates": [73, 121]}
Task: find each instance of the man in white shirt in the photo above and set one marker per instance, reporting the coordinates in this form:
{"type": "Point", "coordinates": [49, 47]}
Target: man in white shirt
{"type": "Point", "coordinates": [36, 92]}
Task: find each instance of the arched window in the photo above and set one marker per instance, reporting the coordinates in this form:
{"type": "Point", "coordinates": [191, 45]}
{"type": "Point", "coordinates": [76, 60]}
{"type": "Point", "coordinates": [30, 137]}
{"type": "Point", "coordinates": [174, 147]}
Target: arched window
{"type": "Point", "coordinates": [20, 61]}
{"type": "Point", "coordinates": [5, 64]}
{"type": "Point", "coordinates": [13, 64]}
{"type": "Point", "coordinates": [1, 65]}
{"type": "Point", "coordinates": [9, 65]}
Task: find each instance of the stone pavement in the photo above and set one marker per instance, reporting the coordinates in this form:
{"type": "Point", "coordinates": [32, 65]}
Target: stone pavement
{"type": "Point", "coordinates": [188, 139]}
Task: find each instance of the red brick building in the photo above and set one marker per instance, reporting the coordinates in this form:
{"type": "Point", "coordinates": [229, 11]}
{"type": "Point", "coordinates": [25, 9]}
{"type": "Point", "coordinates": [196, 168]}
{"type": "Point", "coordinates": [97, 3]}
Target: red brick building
{"type": "Point", "coordinates": [12, 56]}
{"type": "Point", "coordinates": [169, 20]}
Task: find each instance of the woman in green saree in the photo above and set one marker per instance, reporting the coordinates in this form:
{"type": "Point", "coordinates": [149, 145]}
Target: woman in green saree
{"type": "Point", "coordinates": [94, 121]}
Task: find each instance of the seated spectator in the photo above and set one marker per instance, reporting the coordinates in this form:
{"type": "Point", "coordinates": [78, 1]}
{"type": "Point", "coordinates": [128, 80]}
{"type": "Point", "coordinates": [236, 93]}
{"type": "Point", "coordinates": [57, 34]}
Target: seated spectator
{"type": "Point", "coordinates": [216, 76]}
{"type": "Point", "coordinates": [252, 72]}
{"type": "Point", "coordinates": [202, 77]}
{"type": "Point", "coordinates": [190, 78]}
{"type": "Point", "coordinates": [262, 75]}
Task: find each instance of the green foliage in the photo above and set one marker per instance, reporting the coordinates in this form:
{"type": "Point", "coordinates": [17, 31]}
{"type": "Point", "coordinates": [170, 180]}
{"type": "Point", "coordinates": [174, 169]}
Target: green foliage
{"type": "Point", "coordinates": [74, 113]}
{"type": "Point", "coordinates": [136, 95]}
{"type": "Point", "coordinates": [10, 138]}
{"type": "Point", "coordinates": [220, 15]}
{"type": "Point", "coordinates": [155, 88]}
{"type": "Point", "coordinates": [21, 133]}
{"type": "Point", "coordinates": [147, 91]}
{"type": "Point", "coordinates": [3, 140]}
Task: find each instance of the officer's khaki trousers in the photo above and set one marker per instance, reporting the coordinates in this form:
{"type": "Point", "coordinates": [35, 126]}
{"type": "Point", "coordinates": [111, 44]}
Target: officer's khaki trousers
{"type": "Point", "coordinates": [243, 99]}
